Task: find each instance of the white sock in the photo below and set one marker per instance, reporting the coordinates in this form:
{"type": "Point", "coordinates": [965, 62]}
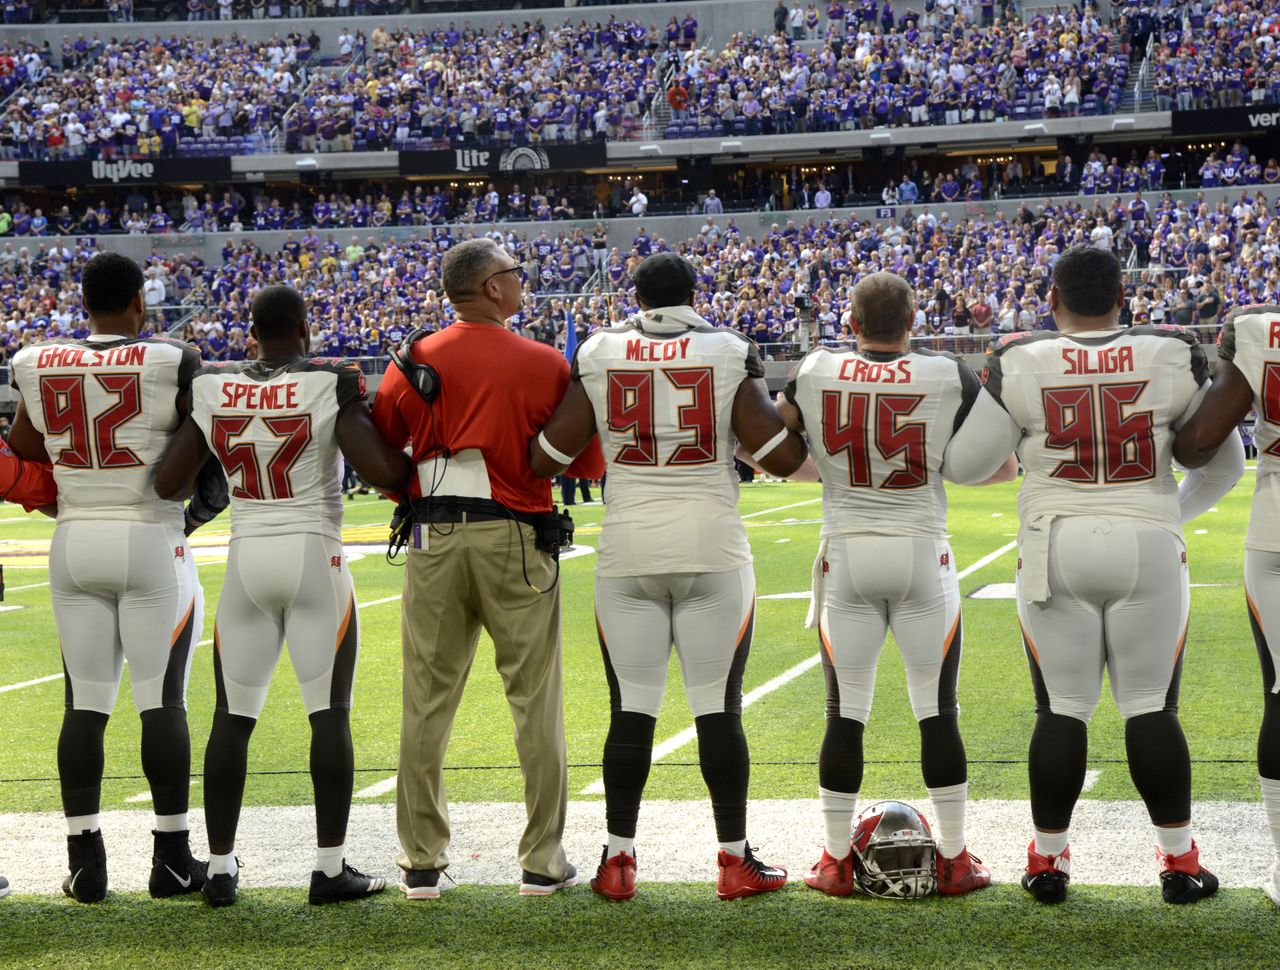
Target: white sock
{"type": "Point", "coordinates": [82, 823]}
{"type": "Point", "coordinates": [329, 859]}
{"type": "Point", "coordinates": [1174, 841]}
{"type": "Point", "coordinates": [1271, 802]}
{"type": "Point", "coordinates": [171, 823]}
{"type": "Point", "coordinates": [735, 848]}
{"type": "Point", "coordinates": [219, 864]}
{"type": "Point", "coordinates": [620, 843]}
{"type": "Point", "coordinates": [837, 820]}
{"type": "Point", "coordinates": [948, 809]}
{"type": "Point", "coordinates": [1051, 843]}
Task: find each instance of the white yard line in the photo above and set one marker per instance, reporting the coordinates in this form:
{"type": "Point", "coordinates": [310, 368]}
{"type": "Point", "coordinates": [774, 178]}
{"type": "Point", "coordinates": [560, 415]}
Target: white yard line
{"type": "Point", "coordinates": [677, 741]}
{"type": "Point", "coordinates": [1111, 843]}
{"type": "Point", "coordinates": [1090, 779]}
{"type": "Point", "coordinates": [378, 788]}
{"type": "Point", "coordinates": [793, 505]}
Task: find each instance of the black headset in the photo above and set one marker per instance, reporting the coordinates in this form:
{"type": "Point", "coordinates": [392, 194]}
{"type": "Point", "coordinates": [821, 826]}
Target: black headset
{"type": "Point", "coordinates": [423, 378]}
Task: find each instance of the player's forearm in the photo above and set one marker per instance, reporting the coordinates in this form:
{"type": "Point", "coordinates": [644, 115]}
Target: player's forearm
{"type": "Point", "coordinates": [1201, 488]}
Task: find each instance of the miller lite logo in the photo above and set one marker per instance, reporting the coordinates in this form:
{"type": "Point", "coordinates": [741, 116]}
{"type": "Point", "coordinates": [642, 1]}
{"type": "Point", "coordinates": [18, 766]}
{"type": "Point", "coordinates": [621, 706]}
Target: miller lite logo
{"type": "Point", "coordinates": [944, 560]}
{"type": "Point", "coordinates": [468, 158]}
{"type": "Point", "coordinates": [129, 169]}
{"type": "Point", "coordinates": [180, 552]}
{"type": "Point", "coordinates": [335, 562]}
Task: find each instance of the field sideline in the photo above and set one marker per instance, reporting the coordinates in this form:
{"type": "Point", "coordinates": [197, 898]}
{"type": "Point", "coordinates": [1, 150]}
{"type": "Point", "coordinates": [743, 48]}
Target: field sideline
{"type": "Point", "coordinates": [1106, 925]}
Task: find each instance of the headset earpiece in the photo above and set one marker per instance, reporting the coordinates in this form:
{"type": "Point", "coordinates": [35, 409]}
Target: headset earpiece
{"type": "Point", "coordinates": [422, 377]}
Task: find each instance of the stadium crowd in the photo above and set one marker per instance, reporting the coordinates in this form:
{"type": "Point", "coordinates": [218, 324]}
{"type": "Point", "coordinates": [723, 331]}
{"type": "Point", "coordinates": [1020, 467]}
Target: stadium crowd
{"type": "Point", "coordinates": [786, 286]}
{"type": "Point", "coordinates": [581, 81]}
{"type": "Point", "coordinates": [153, 96]}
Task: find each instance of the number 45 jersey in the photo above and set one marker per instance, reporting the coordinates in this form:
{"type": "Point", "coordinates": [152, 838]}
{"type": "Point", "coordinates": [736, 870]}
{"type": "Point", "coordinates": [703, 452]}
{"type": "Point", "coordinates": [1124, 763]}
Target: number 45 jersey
{"type": "Point", "coordinates": [663, 394]}
{"type": "Point", "coordinates": [273, 426]}
{"type": "Point", "coordinates": [885, 429]}
{"type": "Point", "coordinates": [1098, 411]}
{"type": "Point", "coordinates": [107, 408]}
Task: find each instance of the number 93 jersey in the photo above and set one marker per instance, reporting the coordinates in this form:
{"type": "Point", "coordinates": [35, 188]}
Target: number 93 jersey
{"type": "Point", "coordinates": [663, 396]}
{"type": "Point", "coordinates": [1251, 340]}
{"type": "Point", "coordinates": [107, 408]}
{"type": "Point", "coordinates": [1098, 411]}
{"type": "Point", "coordinates": [273, 427]}
{"type": "Point", "coordinates": [884, 428]}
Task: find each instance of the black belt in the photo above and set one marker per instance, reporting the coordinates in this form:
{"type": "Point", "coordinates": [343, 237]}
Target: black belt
{"type": "Point", "coordinates": [449, 508]}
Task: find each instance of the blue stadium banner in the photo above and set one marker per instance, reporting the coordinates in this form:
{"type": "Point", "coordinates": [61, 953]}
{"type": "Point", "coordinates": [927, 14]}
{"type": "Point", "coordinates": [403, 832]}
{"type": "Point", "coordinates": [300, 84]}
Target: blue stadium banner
{"type": "Point", "coordinates": [1262, 118]}
{"type": "Point", "coordinates": [103, 172]}
{"type": "Point", "coordinates": [495, 160]}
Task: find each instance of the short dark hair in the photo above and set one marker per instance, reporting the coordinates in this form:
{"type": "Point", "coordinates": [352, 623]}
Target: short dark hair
{"type": "Point", "coordinates": [109, 282]}
{"type": "Point", "coordinates": [1088, 280]}
{"type": "Point", "coordinates": [883, 304]}
{"type": "Point", "coordinates": [278, 311]}
{"type": "Point", "coordinates": [665, 279]}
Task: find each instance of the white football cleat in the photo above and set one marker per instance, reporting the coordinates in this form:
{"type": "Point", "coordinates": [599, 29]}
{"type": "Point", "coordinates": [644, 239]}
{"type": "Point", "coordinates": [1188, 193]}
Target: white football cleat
{"type": "Point", "coordinates": [1271, 886]}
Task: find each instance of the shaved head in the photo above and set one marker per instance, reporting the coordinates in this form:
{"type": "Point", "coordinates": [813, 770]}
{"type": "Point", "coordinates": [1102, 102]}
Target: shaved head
{"type": "Point", "coordinates": [883, 306]}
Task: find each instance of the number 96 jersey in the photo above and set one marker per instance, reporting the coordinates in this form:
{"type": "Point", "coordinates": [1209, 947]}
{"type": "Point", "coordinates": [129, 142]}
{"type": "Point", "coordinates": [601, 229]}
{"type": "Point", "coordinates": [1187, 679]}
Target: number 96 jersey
{"type": "Point", "coordinates": [1098, 411]}
{"type": "Point", "coordinates": [273, 427]}
{"type": "Point", "coordinates": [663, 400]}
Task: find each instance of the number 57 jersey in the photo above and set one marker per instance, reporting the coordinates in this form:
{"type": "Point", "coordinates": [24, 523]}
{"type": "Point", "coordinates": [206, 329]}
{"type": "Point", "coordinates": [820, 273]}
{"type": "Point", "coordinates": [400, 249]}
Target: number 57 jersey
{"type": "Point", "coordinates": [1098, 411]}
{"type": "Point", "coordinates": [273, 427]}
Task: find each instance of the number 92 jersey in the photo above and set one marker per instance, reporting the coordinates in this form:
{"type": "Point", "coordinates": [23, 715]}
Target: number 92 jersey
{"type": "Point", "coordinates": [1098, 411]}
{"type": "Point", "coordinates": [1251, 340]}
{"type": "Point", "coordinates": [663, 396]}
{"type": "Point", "coordinates": [273, 427]}
{"type": "Point", "coordinates": [107, 408]}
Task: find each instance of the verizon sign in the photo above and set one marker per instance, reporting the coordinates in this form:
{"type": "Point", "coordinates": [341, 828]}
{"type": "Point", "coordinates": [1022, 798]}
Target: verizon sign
{"type": "Point", "coordinates": [1228, 121]}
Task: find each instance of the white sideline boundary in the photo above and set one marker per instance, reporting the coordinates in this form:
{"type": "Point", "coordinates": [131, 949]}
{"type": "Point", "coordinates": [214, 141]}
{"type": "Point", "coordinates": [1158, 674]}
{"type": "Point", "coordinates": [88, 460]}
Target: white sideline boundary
{"type": "Point", "coordinates": [1111, 842]}
{"type": "Point", "coordinates": [677, 741]}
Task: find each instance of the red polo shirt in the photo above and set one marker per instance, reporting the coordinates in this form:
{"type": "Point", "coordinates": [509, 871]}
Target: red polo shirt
{"type": "Point", "coordinates": [497, 390]}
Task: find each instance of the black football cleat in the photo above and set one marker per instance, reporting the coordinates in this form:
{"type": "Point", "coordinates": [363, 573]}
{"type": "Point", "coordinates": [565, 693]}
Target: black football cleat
{"type": "Point", "coordinates": [348, 884]}
{"type": "Point", "coordinates": [221, 889]}
{"type": "Point", "coordinates": [1182, 878]}
{"type": "Point", "coordinates": [174, 872]}
{"type": "Point", "coordinates": [87, 860]}
{"type": "Point", "coordinates": [1047, 877]}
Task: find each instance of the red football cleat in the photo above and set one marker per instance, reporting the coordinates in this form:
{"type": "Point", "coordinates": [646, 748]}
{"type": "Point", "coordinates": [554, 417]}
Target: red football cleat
{"type": "Point", "coordinates": [745, 875]}
{"type": "Point", "coordinates": [1183, 879]}
{"type": "Point", "coordinates": [616, 877]}
{"type": "Point", "coordinates": [961, 875]}
{"type": "Point", "coordinates": [831, 875]}
{"type": "Point", "coordinates": [1047, 876]}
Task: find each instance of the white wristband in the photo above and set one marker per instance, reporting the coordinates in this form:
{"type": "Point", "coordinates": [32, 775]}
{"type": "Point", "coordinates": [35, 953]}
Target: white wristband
{"type": "Point", "coordinates": [553, 452]}
{"type": "Point", "coordinates": [769, 445]}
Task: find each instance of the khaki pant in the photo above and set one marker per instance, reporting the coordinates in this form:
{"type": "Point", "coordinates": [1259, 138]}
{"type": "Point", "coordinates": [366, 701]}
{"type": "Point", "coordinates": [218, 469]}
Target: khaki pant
{"type": "Point", "coordinates": [468, 578]}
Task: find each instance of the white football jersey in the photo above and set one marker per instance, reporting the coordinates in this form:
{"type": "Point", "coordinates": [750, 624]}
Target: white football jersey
{"type": "Point", "coordinates": [273, 427]}
{"type": "Point", "coordinates": [1098, 411]}
{"type": "Point", "coordinates": [107, 407]}
{"type": "Point", "coordinates": [879, 426]}
{"type": "Point", "coordinates": [1251, 340]}
{"type": "Point", "coordinates": [663, 398]}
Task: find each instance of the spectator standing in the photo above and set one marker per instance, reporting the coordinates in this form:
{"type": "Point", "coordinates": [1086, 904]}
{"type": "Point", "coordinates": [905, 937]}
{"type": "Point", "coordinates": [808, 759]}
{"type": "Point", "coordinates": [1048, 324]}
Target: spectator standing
{"type": "Point", "coordinates": [474, 560]}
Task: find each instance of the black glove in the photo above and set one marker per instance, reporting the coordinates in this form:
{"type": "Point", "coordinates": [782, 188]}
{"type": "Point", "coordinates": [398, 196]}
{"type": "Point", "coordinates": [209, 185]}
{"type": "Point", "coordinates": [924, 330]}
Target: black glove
{"type": "Point", "coordinates": [401, 528]}
{"type": "Point", "coordinates": [210, 497]}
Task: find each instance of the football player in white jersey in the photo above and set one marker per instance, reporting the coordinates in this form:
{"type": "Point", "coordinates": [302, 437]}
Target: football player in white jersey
{"type": "Point", "coordinates": [671, 397]}
{"type": "Point", "coordinates": [1102, 567]}
{"type": "Point", "coordinates": [280, 425]}
{"type": "Point", "coordinates": [886, 425]}
{"type": "Point", "coordinates": [121, 575]}
{"type": "Point", "coordinates": [1248, 379]}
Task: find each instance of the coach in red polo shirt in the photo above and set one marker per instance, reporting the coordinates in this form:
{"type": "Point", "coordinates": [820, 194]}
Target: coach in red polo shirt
{"type": "Point", "coordinates": [469, 415]}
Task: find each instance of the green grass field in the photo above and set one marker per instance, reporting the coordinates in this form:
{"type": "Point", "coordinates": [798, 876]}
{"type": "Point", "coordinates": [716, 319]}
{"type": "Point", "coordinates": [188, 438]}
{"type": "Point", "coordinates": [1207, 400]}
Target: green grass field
{"type": "Point", "coordinates": [677, 925]}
